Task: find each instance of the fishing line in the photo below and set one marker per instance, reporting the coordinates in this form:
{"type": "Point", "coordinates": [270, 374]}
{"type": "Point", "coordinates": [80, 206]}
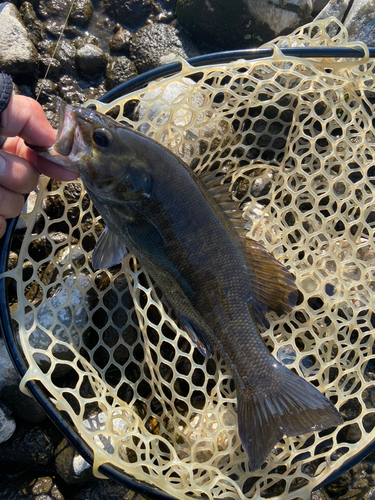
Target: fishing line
{"type": "Point", "coordinates": [55, 49]}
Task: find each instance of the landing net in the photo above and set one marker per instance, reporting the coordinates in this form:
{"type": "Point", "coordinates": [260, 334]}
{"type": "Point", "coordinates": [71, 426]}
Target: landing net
{"type": "Point", "coordinates": [106, 346]}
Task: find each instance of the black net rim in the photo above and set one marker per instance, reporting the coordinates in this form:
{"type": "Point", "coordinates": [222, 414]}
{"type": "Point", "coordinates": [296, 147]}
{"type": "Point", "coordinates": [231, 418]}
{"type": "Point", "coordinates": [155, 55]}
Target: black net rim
{"type": "Point", "coordinates": [139, 82]}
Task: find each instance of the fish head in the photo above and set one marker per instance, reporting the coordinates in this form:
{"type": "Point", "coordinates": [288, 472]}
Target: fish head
{"type": "Point", "coordinates": [105, 153]}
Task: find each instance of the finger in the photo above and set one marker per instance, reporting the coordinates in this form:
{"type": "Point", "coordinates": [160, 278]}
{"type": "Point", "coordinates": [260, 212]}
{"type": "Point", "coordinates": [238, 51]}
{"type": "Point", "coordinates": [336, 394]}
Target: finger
{"type": "Point", "coordinates": [16, 146]}
{"type": "Point", "coordinates": [11, 203]}
{"type": "Point", "coordinates": [16, 174]}
{"type": "Point", "coordinates": [3, 226]}
{"type": "Point", "coordinates": [24, 117]}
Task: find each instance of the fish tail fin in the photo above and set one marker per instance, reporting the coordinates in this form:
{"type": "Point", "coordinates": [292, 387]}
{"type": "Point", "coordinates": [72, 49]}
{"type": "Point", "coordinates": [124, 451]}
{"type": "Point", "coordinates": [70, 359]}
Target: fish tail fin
{"type": "Point", "coordinates": [293, 408]}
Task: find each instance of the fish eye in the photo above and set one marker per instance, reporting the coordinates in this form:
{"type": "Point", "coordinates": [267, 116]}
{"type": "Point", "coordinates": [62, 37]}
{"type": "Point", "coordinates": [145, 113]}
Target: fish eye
{"type": "Point", "coordinates": [102, 137]}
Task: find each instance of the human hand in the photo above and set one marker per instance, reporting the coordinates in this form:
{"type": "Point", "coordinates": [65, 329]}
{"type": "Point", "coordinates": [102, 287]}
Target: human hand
{"type": "Point", "coordinates": [24, 120]}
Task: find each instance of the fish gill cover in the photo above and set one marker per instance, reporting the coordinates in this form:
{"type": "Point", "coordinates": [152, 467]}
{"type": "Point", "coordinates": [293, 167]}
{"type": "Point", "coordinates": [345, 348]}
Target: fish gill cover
{"type": "Point", "coordinates": [295, 139]}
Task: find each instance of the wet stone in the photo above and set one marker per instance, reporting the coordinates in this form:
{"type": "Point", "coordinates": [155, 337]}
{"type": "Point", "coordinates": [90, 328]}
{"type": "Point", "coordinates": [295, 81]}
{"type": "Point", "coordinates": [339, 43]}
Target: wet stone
{"type": "Point", "coordinates": [119, 70]}
{"type": "Point", "coordinates": [8, 374]}
{"type": "Point", "coordinates": [50, 64]}
{"type": "Point", "coordinates": [31, 487]}
{"type": "Point", "coordinates": [65, 54]}
{"type": "Point", "coordinates": [100, 489]}
{"type": "Point", "coordinates": [81, 13]}
{"type": "Point", "coordinates": [23, 406]}
{"type": "Point", "coordinates": [46, 89]}
{"type": "Point", "coordinates": [32, 24]}
{"type": "Point", "coordinates": [340, 485]}
{"type": "Point", "coordinates": [70, 465]}
{"type": "Point", "coordinates": [120, 42]}
{"type": "Point", "coordinates": [53, 29]}
{"type": "Point", "coordinates": [152, 44]}
{"type": "Point", "coordinates": [70, 91]}
{"type": "Point", "coordinates": [91, 60]}
{"type": "Point", "coordinates": [260, 187]}
{"type": "Point", "coordinates": [131, 14]}
{"type": "Point", "coordinates": [27, 449]}
{"type": "Point", "coordinates": [18, 56]}
{"type": "Point", "coordinates": [7, 425]}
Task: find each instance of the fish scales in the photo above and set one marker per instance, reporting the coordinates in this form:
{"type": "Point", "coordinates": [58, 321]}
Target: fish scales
{"type": "Point", "coordinates": [220, 285]}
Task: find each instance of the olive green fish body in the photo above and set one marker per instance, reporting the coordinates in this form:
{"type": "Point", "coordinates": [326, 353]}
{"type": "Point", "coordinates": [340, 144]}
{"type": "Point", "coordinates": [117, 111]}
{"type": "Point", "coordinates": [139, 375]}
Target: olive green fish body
{"type": "Point", "coordinates": [218, 283]}
{"type": "Point", "coordinates": [199, 264]}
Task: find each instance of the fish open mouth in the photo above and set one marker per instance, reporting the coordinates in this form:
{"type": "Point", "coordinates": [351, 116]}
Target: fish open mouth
{"type": "Point", "coordinates": [61, 149]}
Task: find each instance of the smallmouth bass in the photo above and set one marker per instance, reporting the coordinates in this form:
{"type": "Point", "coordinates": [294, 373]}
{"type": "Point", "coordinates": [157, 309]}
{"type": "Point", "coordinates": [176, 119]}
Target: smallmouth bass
{"type": "Point", "coordinates": [181, 227]}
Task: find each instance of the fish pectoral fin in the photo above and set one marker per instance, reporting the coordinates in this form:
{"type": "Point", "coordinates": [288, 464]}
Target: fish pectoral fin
{"type": "Point", "coordinates": [109, 250]}
{"type": "Point", "coordinates": [290, 407]}
{"type": "Point", "coordinates": [197, 337]}
{"type": "Point", "coordinates": [274, 286]}
{"type": "Point", "coordinates": [144, 232]}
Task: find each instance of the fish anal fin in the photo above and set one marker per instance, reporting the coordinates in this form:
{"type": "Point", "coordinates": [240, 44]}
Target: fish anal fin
{"type": "Point", "coordinates": [198, 338]}
{"type": "Point", "coordinates": [293, 408]}
{"type": "Point", "coordinates": [109, 250]}
{"type": "Point", "coordinates": [274, 286]}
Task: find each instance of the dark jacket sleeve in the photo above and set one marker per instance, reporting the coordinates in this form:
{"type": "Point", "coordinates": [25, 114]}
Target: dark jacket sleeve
{"type": "Point", "coordinates": [6, 89]}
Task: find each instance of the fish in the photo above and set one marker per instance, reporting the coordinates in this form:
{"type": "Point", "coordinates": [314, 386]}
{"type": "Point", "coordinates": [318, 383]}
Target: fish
{"type": "Point", "coordinates": [188, 233]}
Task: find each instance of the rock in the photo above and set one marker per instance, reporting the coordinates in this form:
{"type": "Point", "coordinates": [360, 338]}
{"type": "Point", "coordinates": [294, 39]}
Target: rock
{"type": "Point", "coordinates": [131, 14]}
{"type": "Point", "coordinates": [334, 8]}
{"type": "Point", "coordinates": [320, 494]}
{"type": "Point", "coordinates": [339, 485]}
{"type": "Point", "coordinates": [18, 56]}
{"type": "Point", "coordinates": [241, 23]}
{"type": "Point", "coordinates": [226, 25]}
{"type": "Point", "coordinates": [360, 22]}
{"type": "Point", "coordinates": [23, 406]}
{"type": "Point", "coordinates": [44, 488]}
{"type": "Point", "coordinates": [65, 54]}
{"type": "Point", "coordinates": [279, 17]}
{"type": "Point", "coordinates": [57, 9]}
{"type": "Point", "coordinates": [119, 70]}
{"type": "Point", "coordinates": [27, 449]}
{"type": "Point", "coordinates": [70, 91]}
{"type": "Point", "coordinates": [120, 42]}
{"type": "Point", "coordinates": [91, 60]}
{"type": "Point", "coordinates": [86, 40]}
{"type": "Point", "coordinates": [81, 13]}
{"type": "Point", "coordinates": [261, 187]}
{"type": "Point", "coordinates": [161, 15]}
{"type": "Point", "coordinates": [151, 43]}
{"type": "Point", "coordinates": [50, 64]}
{"type": "Point", "coordinates": [7, 426]}
{"type": "Point", "coordinates": [8, 374]}
{"type": "Point", "coordinates": [318, 5]}
{"type": "Point", "coordinates": [29, 487]}
{"type": "Point", "coordinates": [100, 489]}
{"type": "Point", "coordinates": [53, 28]}
{"type": "Point", "coordinates": [70, 465]}
{"type": "Point", "coordinates": [32, 24]}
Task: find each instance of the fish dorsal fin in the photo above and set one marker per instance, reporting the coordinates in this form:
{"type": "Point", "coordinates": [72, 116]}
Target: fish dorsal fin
{"type": "Point", "coordinates": [274, 286]}
{"type": "Point", "coordinates": [223, 196]}
{"type": "Point", "coordinates": [109, 250]}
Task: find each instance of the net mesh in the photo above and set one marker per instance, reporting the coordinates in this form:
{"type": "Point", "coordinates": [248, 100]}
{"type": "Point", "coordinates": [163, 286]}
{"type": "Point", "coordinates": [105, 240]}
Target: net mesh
{"type": "Point", "coordinates": [295, 139]}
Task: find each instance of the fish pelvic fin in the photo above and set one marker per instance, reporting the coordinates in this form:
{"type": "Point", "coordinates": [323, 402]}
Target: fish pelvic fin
{"type": "Point", "coordinates": [109, 250]}
{"type": "Point", "coordinates": [197, 337]}
{"type": "Point", "coordinates": [293, 409]}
